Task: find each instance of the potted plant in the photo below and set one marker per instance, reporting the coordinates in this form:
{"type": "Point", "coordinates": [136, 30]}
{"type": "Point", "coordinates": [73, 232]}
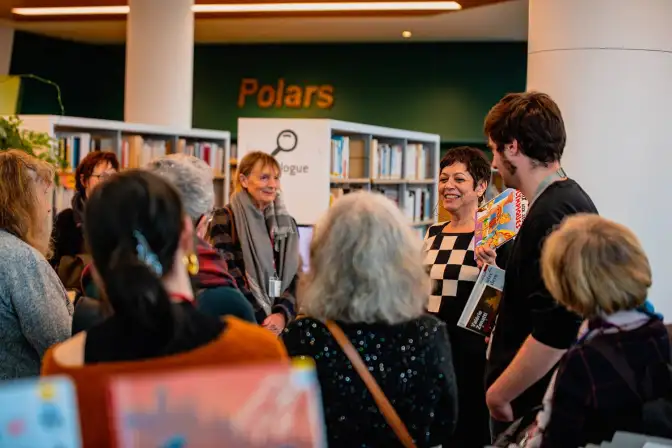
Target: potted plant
{"type": "Point", "coordinates": [37, 144]}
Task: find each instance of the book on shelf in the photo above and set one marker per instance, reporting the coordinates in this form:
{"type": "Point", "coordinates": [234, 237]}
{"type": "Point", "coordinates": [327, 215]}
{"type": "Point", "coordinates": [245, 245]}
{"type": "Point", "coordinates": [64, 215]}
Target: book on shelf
{"type": "Point", "coordinates": [500, 219]}
{"type": "Point", "coordinates": [386, 160]}
{"type": "Point", "coordinates": [39, 412]}
{"type": "Point", "coordinates": [417, 161]}
{"type": "Point", "coordinates": [210, 152]}
{"type": "Point", "coordinates": [480, 312]}
{"type": "Point", "coordinates": [264, 405]}
{"type": "Point", "coordinates": [418, 204]}
{"type": "Point", "coordinates": [73, 147]}
{"type": "Point", "coordinates": [137, 151]}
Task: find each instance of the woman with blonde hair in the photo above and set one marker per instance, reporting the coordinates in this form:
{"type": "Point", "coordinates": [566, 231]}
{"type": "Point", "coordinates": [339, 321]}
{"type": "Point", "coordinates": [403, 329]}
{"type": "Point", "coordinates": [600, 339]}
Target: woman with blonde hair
{"type": "Point", "coordinates": [598, 269]}
{"type": "Point", "coordinates": [260, 240]}
{"type": "Point", "coordinates": [366, 278]}
{"type": "Point", "coordinates": [35, 312]}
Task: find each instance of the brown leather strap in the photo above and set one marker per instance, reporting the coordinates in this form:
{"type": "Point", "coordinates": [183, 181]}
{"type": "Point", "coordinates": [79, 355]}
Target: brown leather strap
{"type": "Point", "coordinates": [381, 400]}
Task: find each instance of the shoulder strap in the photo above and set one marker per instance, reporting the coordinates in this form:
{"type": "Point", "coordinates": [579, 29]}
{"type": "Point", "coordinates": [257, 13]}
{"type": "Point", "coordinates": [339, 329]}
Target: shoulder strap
{"type": "Point", "coordinates": [381, 400]}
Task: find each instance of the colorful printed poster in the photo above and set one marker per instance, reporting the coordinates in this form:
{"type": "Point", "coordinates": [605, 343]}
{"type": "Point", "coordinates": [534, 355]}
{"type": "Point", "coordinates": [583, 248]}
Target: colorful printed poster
{"type": "Point", "coordinates": [276, 405]}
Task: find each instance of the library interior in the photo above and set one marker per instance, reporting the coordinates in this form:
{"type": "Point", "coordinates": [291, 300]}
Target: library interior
{"type": "Point", "coordinates": [337, 97]}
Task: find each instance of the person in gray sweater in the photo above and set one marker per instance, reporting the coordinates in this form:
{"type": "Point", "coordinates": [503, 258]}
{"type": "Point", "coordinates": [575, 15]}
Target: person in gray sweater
{"type": "Point", "coordinates": [35, 312]}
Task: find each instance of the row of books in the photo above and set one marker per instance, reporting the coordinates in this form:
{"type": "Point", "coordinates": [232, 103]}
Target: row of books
{"type": "Point", "coordinates": [73, 147]}
{"type": "Point", "coordinates": [136, 150]}
{"type": "Point", "coordinates": [349, 159]}
{"type": "Point", "coordinates": [210, 152]}
{"type": "Point", "coordinates": [175, 409]}
{"type": "Point", "coordinates": [417, 203]}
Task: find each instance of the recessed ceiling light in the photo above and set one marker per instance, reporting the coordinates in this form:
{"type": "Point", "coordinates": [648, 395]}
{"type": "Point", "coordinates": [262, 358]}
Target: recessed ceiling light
{"type": "Point", "coordinates": [233, 8]}
{"type": "Point", "coordinates": [406, 34]}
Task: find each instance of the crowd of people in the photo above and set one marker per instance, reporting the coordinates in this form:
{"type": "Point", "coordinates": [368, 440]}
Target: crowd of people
{"type": "Point", "coordinates": [143, 274]}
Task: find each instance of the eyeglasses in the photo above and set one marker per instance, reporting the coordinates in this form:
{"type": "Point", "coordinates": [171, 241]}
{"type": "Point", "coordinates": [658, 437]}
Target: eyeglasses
{"type": "Point", "coordinates": [102, 176]}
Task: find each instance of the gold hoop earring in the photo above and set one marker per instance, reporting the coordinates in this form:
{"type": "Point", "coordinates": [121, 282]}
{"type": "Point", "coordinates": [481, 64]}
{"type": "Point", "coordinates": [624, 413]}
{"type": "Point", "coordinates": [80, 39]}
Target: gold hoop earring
{"type": "Point", "coordinates": [191, 262]}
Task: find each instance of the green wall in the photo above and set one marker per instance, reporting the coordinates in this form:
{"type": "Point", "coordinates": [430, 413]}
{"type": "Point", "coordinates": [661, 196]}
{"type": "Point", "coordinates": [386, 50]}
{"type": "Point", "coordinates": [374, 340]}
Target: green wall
{"type": "Point", "coordinates": [444, 88]}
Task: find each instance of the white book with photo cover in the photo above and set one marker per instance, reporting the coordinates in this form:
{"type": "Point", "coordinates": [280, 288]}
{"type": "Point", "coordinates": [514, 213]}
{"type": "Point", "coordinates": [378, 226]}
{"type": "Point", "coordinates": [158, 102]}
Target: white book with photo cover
{"type": "Point", "coordinates": [480, 312]}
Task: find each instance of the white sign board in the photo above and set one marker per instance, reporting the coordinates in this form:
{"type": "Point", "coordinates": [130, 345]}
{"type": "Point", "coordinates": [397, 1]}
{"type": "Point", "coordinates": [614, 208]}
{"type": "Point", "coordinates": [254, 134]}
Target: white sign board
{"type": "Point", "coordinates": [302, 147]}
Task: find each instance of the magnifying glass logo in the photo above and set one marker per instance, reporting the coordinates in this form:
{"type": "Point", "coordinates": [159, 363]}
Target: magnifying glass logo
{"type": "Point", "coordinates": [286, 142]}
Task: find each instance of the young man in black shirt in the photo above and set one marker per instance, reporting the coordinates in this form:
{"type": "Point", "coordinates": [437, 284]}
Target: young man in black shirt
{"type": "Point", "coordinates": [527, 136]}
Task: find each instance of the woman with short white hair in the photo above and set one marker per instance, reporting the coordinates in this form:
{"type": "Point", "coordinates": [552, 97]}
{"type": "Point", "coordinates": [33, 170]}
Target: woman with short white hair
{"type": "Point", "coordinates": [366, 278]}
{"type": "Point", "coordinates": [217, 290]}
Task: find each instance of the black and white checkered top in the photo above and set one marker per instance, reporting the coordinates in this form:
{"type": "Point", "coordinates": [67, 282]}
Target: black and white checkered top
{"type": "Point", "coordinates": [450, 262]}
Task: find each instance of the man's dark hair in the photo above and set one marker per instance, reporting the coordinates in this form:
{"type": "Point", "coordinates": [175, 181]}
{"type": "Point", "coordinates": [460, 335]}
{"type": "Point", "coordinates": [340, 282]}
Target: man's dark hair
{"type": "Point", "coordinates": [473, 158]}
{"type": "Point", "coordinates": [534, 120]}
{"type": "Point", "coordinates": [85, 168]}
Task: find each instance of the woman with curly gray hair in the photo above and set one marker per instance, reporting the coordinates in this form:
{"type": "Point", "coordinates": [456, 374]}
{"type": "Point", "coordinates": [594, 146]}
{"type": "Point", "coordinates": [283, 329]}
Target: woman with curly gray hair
{"type": "Point", "coordinates": [366, 277]}
{"type": "Point", "coordinates": [216, 289]}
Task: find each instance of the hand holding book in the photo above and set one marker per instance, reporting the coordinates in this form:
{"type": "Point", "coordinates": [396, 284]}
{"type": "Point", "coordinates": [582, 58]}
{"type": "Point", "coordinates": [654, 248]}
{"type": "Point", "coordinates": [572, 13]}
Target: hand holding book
{"type": "Point", "coordinates": [499, 220]}
{"type": "Point", "coordinates": [485, 255]}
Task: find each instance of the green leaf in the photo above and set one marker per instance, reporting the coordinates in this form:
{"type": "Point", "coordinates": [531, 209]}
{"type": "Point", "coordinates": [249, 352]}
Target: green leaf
{"type": "Point", "coordinates": [36, 144]}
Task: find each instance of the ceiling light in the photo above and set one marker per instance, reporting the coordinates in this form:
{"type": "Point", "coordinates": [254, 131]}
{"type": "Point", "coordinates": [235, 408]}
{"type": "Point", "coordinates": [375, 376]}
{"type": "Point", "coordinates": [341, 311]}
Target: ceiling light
{"type": "Point", "coordinates": [328, 7]}
{"type": "Point", "coordinates": [72, 11]}
{"type": "Point", "coordinates": [233, 8]}
{"type": "Point", "coordinates": [406, 34]}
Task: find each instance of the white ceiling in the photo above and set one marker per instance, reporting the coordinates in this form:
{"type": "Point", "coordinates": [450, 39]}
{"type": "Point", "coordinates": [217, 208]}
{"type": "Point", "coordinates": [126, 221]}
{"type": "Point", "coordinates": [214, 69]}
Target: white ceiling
{"type": "Point", "coordinates": [502, 21]}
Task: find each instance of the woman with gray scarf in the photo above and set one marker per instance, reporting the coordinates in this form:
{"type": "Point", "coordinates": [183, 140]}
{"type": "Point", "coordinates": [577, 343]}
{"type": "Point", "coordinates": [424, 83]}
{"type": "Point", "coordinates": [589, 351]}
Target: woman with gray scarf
{"type": "Point", "coordinates": [260, 241]}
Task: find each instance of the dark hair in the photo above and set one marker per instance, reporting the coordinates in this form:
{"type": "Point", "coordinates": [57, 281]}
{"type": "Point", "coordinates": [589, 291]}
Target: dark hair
{"type": "Point", "coordinates": [91, 161]}
{"type": "Point", "coordinates": [141, 201]}
{"type": "Point", "coordinates": [534, 120]}
{"type": "Point", "coordinates": [473, 158]}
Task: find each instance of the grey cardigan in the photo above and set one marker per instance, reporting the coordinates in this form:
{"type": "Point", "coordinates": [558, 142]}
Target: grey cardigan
{"type": "Point", "coordinates": [35, 312]}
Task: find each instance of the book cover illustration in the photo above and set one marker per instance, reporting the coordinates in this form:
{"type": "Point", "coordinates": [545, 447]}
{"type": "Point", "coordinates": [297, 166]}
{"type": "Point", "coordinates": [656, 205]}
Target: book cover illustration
{"type": "Point", "coordinates": [499, 219]}
{"type": "Point", "coordinates": [39, 412]}
{"type": "Point", "coordinates": [480, 312]}
{"type": "Point", "coordinates": [265, 405]}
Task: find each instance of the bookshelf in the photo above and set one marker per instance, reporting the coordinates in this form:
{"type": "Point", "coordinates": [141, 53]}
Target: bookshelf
{"type": "Point", "coordinates": [322, 159]}
{"type": "Point", "coordinates": [135, 145]}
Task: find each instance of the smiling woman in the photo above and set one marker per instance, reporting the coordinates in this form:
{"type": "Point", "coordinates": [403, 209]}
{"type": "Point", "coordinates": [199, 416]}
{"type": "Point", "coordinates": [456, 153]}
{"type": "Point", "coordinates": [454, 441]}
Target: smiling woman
{"type": "Point", "coordinates": [453, 269]}
{"type": "Point", "coordinates": [259, 239]}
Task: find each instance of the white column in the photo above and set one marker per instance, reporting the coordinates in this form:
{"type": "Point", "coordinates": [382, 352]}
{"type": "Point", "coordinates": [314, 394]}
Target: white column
{"type": "Point", "coordinates": [6, 47]}
{"type": "Point", "coordinates": [159, 62]}
{"type": "Point", "coordinates": [608, 64]}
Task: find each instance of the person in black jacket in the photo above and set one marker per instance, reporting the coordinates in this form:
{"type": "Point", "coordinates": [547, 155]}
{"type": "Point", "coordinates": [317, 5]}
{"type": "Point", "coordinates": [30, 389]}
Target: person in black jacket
{"type": "Point", "coordinates": [68, 243]}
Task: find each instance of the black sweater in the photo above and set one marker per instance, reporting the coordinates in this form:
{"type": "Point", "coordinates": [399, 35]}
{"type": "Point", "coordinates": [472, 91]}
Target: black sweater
{"type": "Point", "coordinates": [412, 364]}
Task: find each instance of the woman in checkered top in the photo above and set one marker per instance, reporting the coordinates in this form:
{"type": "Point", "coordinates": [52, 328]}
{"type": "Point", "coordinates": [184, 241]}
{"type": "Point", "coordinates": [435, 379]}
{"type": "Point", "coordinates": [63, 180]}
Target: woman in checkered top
{"type": "Point", "coordinates": [453, 269]}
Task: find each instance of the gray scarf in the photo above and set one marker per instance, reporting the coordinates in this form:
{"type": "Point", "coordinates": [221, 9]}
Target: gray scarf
{"type": "Point", "coordinates": [255, 229]}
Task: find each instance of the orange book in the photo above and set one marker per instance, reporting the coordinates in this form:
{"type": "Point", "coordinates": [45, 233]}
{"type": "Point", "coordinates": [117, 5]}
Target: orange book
{"type": "Point", "coordinates": [500, 219]}
{"type": "Point", "coordinates": [251, 406]}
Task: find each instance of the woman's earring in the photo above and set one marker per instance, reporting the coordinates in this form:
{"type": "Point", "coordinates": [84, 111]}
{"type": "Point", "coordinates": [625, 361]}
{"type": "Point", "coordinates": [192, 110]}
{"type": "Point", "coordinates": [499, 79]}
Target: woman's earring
{"type": "Point", "coordinates": [191, 262]}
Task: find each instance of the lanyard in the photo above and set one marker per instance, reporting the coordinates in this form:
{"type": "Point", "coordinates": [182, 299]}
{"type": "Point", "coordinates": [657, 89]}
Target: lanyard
{"type": "Point", "coordinates": [547, 181]}
{"type": "Point", "coordinates": [275, 270]}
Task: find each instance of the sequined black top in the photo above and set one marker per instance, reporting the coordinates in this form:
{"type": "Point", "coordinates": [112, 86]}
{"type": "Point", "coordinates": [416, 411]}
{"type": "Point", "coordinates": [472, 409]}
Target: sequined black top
{"type": "Point", "coordinates": [411, 362]}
